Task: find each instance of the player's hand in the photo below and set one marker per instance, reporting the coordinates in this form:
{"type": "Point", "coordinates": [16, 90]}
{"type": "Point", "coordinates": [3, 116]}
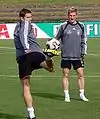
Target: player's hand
{"type": "Point", "coordinates": [83, 55]}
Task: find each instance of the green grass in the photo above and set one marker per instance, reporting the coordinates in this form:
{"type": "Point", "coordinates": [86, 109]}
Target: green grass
{"type": "Point", "coordinates": [46, 88]}
{"type": "Point", "coordinates": [48, 1]}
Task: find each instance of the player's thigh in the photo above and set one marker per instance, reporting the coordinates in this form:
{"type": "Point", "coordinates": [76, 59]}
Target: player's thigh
{"type": "Point", "coordinates": [37, 59]}
{"type": "Point", "coordinates": [47, 64]}
{"type": "Point", "coordinates": [66, 64]}
{"type": "Point", "coordinates": [24, 67]}
{"type": "Point", "coordinates": [80, 72]}
{"type": "Point", "coordinates": [43, 64]}
{"type": "Point", "coordinates": [66, 72]}
{"type": "Point", "coordinates": [78, 64]}
{"type": "Point", "coordinates": [29, 62]}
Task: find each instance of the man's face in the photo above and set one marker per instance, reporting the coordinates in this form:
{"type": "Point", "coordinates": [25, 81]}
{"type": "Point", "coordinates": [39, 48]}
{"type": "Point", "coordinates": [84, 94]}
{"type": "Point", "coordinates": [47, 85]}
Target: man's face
{"type": "Point", "coordinates": [72, 17]}
{"type": "Point", "coordinates": [28, 17]}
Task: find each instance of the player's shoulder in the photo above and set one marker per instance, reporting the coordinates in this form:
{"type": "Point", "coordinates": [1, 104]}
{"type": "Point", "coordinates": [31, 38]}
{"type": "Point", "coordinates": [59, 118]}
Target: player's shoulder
{"type": "Point", "coordinates": [63, 24]}
{"type": "Point", "coordinates": [81, 23]}
{"type": "Point", "coordinates": [18, 23]}
{"type": "Point", "coordinates": [17, 26]}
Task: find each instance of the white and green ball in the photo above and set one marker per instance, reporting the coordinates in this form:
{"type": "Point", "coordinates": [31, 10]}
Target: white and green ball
{"type": "Point", "coordinates": [53, 44]}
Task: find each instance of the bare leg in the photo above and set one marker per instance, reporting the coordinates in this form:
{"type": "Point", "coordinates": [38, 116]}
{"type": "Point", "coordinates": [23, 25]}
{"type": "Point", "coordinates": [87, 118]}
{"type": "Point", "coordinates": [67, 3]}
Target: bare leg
{"type": "Point", "coordinates": [48, 65]}
{"type": "Point", "coordinates": [27, 96]}
{"type": "Point", "coordinates": [26, 92]}
{"type": "Point", "coordinates": [81, 83]}
{"type": "Point", "coordinates": [65, 84]}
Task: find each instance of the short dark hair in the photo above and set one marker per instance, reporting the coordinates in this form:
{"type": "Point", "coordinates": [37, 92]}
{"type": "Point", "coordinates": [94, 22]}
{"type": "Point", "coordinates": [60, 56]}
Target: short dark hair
{"type": "Point", "coordinates": [23, 12]}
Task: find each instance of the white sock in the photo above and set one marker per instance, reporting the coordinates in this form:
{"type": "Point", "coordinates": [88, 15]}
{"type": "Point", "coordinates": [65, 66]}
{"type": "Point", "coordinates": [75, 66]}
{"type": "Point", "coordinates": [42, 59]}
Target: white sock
{"type": "Point", "coordinates": [66, 92]}
{"type": "Point", "coordinates": [81, 91]}
{"type": "Point", "coordinates": [31, 112]}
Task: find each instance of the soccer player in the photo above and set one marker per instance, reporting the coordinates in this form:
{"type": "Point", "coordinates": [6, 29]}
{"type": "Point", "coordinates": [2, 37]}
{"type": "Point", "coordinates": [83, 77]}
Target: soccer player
{"type": "Point", "coordinates": [73, 49]}
{"type": "Point", "coordinates": [29, 56]}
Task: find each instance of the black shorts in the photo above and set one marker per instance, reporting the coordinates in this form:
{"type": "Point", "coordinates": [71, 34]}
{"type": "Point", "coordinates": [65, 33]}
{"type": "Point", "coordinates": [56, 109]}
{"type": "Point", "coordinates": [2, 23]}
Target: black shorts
{"type": "Point", "coordinates": [29, 62]}
{"type": "Point", "coordinates": [69, 63]}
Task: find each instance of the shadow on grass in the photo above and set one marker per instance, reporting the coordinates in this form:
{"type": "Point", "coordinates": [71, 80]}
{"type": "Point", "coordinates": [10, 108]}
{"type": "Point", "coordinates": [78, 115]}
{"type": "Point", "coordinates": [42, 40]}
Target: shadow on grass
{"type": "Point", "coordinates": [75, 99]}
{"type": "Point", "coordinates": [9, 116]}
{"type": "Point", "coordinates": [49, 95]}
{"type": "Point", "coordinates": [53, 96]}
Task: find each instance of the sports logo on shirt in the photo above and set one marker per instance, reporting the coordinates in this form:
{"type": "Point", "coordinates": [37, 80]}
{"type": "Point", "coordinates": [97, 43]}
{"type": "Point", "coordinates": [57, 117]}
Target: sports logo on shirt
{"type": "Point", "coordinates": [78, 32]}
{"type": "Point", "coordinates": [69, 32]}
{"type": "Point", "coordinates": [74, 29]}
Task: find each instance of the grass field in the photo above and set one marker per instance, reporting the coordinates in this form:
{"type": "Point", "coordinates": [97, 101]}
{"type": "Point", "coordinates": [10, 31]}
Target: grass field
{"type": "Point", "coordinates": [46, 88]}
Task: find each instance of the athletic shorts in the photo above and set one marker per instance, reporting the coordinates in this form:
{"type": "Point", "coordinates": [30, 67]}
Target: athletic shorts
{"type": "Point", "coordinates": [29, 62]}
{"type": "Point", "coordinates": [69, 63]}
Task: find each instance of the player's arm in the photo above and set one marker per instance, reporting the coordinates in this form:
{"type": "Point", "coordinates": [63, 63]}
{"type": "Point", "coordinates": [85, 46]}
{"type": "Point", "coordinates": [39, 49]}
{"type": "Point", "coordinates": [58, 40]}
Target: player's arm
{"type": "Point", "coordinates": [59, 33]}
{"type": "Point", "coordinates": [84, 42]}
{"type": "Point", "coordinates": [24, 36]}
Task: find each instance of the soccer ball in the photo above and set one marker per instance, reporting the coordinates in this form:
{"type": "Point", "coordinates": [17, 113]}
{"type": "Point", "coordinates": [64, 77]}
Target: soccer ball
{"type": "Point", "coordinates": [53, 44]}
